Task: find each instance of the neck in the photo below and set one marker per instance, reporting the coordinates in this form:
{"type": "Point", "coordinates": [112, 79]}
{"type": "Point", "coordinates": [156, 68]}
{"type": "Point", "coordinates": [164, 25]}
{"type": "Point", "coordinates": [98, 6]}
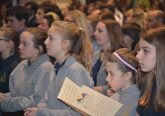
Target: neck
{"type": "Point", "coordinates": [106, 46]}
{"type": "Point", "coordinates": [61, 58]}
{"type": "Point", "coordinates": [34, 58]}
{"type": "Point", "coordinates": [127, 86]}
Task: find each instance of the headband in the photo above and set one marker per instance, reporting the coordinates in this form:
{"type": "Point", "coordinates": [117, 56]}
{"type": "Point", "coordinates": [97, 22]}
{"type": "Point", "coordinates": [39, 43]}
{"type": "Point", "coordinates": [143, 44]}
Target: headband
{"type": "Point", "coordinates": [124, 62]}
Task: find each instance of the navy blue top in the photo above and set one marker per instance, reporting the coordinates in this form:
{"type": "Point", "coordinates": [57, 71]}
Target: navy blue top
{"type": "Point", "coordinates": [95, 70]}
{"type": "Point", "coordinates": [57, 66]}
{"type": "Point", "coordinates": [6, 67]}
{"type": "Point", "coordinates": [149, 111]}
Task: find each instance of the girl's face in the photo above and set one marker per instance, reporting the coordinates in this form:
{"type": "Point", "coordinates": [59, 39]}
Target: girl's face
{"type": "Point", "coordinates": [146, 56]}
{"type": "Point", "coordinates": [116, 79]}
{"type": "Point", "coordinates": [39, 15]}
{"type": "Point", "coordinates": [44, 25]}
{"type": "Point", "coordinates": [101, 35]}
{"type": "Point", "coordinates": [54, 43]}
{"type": "Point", "coordinates": [3, 10]}
{"type": "Point", "coordinates": [3, 43]}
{"type": "Point", "coordinates": [26, 47]}
{"type": "Point", "coordinates": [127, 41]}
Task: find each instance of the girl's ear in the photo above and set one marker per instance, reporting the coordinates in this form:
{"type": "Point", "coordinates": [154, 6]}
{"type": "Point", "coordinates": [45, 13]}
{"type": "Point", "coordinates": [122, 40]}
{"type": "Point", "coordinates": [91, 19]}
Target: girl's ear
{"type": "Point", "coordinates": [65, 44]}
{"type": "Point", "coordinates": [128, 76]}
{"type": "Point", "coordinates": [41, 50]}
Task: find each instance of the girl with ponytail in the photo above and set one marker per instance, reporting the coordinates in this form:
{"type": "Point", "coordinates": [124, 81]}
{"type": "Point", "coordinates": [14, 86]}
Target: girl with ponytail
{"type": "Point", "coordinates": [67, 44]}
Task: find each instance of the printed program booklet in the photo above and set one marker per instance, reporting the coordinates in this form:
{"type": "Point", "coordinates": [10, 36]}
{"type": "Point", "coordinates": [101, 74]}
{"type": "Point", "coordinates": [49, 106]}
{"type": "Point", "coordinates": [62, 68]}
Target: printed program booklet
{"type": "Point", "coordinates": [87, 101]}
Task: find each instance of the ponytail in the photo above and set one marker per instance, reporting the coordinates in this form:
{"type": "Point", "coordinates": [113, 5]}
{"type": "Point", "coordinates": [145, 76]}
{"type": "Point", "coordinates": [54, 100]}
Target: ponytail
{"type": "Point", "coordinates": [83, 49]}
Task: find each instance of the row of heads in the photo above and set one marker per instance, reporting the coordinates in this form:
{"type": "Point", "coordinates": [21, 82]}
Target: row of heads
{"type": "Point", "coordinates": [75, 35]}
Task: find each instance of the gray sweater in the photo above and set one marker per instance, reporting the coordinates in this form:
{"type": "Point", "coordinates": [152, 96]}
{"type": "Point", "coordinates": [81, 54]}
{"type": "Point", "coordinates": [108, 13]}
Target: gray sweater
{"type": "Point", "coordinates": [51, 106]}
{"type": "Point", "coordinates": [27, 84]}
{"type": "Point", "coordinates": [129, 98]}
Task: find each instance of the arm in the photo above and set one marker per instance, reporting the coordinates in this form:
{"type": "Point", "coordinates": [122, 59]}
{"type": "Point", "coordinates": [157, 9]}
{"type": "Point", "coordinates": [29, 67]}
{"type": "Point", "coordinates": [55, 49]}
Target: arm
{"type": "Point", "coordinates": [14, 103]}
{"type": "Point", "coordinates": [50, 112]}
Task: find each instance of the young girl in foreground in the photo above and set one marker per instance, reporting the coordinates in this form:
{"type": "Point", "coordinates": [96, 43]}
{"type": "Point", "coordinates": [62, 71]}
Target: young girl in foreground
{"type": "Point", "coordinates": [65, 42]}
{"type": "Point", "coordinates": [151, 79]}
{"type": "Point", "coordinates": [121, 68]}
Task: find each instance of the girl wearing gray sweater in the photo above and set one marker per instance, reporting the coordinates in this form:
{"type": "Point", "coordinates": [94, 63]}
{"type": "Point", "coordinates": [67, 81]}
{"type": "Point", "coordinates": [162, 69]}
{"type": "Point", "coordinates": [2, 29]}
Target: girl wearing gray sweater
{"type": "Point", "coordinates": [67, 43]}
{"type": "Point", "coordinates": [29, 80]}
{"type": "Point", "coordinates": [122, 67]}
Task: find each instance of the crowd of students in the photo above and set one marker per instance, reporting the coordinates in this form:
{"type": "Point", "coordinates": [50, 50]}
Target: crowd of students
{"type": "Point", "coordinates": [116, 50]}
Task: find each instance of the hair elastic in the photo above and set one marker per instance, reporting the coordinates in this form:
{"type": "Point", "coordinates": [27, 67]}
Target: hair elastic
{"type": "Point", "coordinates": [123, 61]}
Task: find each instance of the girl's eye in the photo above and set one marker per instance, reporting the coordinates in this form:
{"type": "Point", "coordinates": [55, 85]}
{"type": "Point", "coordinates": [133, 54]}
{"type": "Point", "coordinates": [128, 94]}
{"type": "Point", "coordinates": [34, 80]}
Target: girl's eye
{"type": "Point", "coordinates": [99, 30]}
{"type": "Point", "coordinates": [110, 73]}
{"type": "Point", "coordinates": [25, 44]}
{"type": "Point", "coordinates": [137, 51]}
{"type": "Point", "coordinates": [146, 51]}
{"type": "Point", "coordinates": [106, 73]}
{"type": "Point", "coordinates": [50, 38]}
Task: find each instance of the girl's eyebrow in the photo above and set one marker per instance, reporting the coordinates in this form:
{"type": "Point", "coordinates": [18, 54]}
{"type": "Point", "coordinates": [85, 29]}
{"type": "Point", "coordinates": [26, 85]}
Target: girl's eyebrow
{"type": "Point", "coordinates": [145, 47]}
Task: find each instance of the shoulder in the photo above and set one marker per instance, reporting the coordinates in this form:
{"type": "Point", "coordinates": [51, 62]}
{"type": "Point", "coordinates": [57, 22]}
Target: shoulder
{"type": "Point", "coordinates": [130, 96]}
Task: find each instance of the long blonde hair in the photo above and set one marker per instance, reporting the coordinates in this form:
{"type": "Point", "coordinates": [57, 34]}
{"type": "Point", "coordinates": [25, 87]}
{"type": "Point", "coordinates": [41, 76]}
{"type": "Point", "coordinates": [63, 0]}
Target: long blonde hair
{"type": "Point", "coordinates": [79, 44]}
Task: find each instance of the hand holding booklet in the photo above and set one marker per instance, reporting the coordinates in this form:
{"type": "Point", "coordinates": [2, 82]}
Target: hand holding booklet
{"type": "Point", "coordinates": [86, 100]}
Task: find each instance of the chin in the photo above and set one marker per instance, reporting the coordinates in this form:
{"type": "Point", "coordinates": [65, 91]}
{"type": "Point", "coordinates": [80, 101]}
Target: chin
{"type": "Point", "coordinates": [145, 70]}
{"type": "Point", "coordinates": [23, 57]}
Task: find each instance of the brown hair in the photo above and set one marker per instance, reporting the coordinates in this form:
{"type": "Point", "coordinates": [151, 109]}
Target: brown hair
{"type": "Point", "coordinates": [39, 37]}
{"type": "Point", "coordinates": [156, 38]}
{"type": "Point", "coordinates": [128, 56]}
{"type": "Point", "coordinates": [79, 44]}
{"type": "Point", "coordinates": [11, 34]}
{"type": "Point", "coordinates": [115, 34]}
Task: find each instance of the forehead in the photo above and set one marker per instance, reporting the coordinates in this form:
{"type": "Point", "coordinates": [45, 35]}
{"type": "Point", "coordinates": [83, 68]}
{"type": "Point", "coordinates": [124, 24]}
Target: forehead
{"type": "Point", "coordinates": [40, 10]}
{"type": "Point", "coordinates": [26, 36]}
{"type": "Point", "coordinates": [28, 6]}
{"type": "Point", "coordinates": [3, 6]}
{"type": "Point", "coordinates": [101, 25]}
{"type": "Point", "coordinates": [111, 66]}
{"type": "Point", "coordinates": [145, 44]}
{"type": "Point", "coordinates": [53, 31]}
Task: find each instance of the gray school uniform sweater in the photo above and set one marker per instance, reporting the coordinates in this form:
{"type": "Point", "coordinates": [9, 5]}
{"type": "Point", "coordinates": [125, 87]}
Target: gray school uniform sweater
{"type": "Point", "coordinates": [27, 84]}
{"type": "Point", "coordinates": [51, 106]}
{"type": "Point", "coordinates": [129, 98]}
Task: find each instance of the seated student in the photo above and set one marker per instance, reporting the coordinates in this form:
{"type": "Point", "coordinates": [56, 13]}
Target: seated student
{"type": "Point", "coordinates": [65, 42]}
{"type": "Point", "coordinates": [8, 56]}
{"type": "Point", "coordinates": [131, 33]}
{"type": "Point", "coordinates": [29, 80]}
{"type": "Point", "coordinates": [121, 67]}
{"type": "Point", "coordinates": [16, 18]}
{"type": "Point", "coordinates": [47, 20]}
{"type": "Point", "coordinates": [46, 7]}
{"type": "Point", "coordinates": [151, 76]}
{"type": "Point", "coordinates": [31, 8]}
